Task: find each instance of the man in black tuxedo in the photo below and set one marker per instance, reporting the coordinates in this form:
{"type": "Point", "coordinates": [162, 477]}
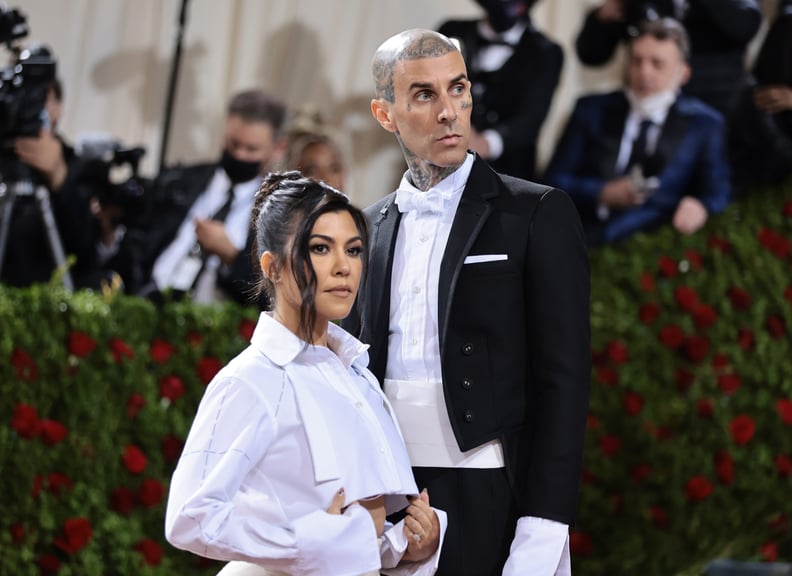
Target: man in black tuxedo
{"type": "Point", "coordinates": [514, 71]}
{"type": "Point", "coordinates": [477, 311]}
{"type": "Point", "coordinates": [720, 32]}
{"type": "Point", "coordinates": [199, 240]}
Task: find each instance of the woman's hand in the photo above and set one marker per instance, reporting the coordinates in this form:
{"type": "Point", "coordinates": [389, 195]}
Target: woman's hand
{"type": "Point", "coordinates": [337, 505]}
{"type": "Point", "coordinates": [422, 529]}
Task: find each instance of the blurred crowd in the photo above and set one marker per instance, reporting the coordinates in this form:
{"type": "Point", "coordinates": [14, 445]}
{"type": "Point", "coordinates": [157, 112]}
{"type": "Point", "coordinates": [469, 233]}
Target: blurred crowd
{"type": "Point", "coordinates": [694, 125]}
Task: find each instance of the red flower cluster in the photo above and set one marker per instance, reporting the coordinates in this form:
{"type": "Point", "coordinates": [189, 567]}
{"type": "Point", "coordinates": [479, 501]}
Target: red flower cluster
{"type": "Point", "coordinates": [207, 368]}
{"type": "Point", "coordinates": [161, 351]}
{"type": "Point", "coordinates": [80, 344]}
{"type": "Point", "coordinates": [76, 534]}
{"type": "Point", "coordinates": [134, 459]}
{"type": "Point", "coordinates": [24, 366]}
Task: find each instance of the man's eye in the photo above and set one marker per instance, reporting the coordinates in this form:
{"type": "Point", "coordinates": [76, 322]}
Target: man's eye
{"type": "Point", "coordinates": [423, 96]}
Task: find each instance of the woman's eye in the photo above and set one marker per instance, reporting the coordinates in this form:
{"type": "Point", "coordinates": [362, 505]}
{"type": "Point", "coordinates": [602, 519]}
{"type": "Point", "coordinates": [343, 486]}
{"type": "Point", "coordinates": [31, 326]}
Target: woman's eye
{"type": "Point", "coordinates": [355, 250]}
{"type": "Point", "coordinates": [319, 248]}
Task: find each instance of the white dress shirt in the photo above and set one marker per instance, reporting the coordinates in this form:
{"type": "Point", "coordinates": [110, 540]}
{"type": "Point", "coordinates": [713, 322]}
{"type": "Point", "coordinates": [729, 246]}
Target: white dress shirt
{"type": "Point", "coordinates": [236, 226]}
{"type": "Point", "coordinates": [540, 546]}
{"type": "Point", "coordinates": [280, 429]}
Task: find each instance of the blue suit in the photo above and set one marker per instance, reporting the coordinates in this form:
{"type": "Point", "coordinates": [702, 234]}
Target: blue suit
{"type": "Point", "coordinates": [689, 160]}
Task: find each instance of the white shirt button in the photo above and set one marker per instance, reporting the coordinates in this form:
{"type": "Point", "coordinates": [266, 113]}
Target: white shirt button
{"type": "Point", "coordinates": [416, 289]}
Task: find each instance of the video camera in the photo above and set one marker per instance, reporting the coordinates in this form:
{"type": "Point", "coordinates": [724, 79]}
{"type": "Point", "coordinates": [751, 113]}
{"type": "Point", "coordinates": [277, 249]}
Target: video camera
{"type": "Point", "coordinates": [25, 83]}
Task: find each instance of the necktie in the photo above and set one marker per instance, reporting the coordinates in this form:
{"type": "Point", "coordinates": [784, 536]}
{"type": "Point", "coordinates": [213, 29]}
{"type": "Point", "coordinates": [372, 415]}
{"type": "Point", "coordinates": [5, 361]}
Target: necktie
{"type": "Point", "coordinates": [223, 211]}
{"type": "Point", "coordinates": [638, 153]}
{"type": "Point", "coordinates": [411, 200]}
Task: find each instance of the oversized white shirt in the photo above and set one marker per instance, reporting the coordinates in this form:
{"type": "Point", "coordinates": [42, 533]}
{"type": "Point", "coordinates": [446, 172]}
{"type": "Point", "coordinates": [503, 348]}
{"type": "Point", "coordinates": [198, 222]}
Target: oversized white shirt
{"type": "Point", "coordinates": [279, 430]}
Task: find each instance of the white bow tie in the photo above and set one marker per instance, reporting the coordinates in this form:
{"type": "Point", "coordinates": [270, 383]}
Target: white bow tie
{"type": "Point", "coordinates": [430, 201]}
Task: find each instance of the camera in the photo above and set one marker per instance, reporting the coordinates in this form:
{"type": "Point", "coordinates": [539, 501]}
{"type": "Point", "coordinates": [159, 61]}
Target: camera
{"type": "Point", "coordinates": [25, 83]}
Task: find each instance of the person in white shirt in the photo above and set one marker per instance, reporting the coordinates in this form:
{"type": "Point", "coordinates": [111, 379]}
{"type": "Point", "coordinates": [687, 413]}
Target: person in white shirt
{"type": "Point", "coordinates": [476, 309]}
{"type": "Point", "coordinates": [295, 457]}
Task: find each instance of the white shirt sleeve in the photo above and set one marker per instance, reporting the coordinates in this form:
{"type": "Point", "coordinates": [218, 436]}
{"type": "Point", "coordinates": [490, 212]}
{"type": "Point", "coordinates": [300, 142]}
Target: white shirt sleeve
{"type": "Point", "coordinates": [540, 548]}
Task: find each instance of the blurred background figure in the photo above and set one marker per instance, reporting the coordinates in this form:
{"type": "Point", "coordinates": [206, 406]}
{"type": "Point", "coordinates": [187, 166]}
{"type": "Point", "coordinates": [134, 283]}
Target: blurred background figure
{"type": "Point", "coordinates": [313, 150]}
{"type": "Point", "coordinates": [760, 136]}
{"type": "Point", "coordinates": [719, 31]}
{"type": "Point", "coordinates": [514, 69]}
{"type": "Point", "coordinates": [644, 156]}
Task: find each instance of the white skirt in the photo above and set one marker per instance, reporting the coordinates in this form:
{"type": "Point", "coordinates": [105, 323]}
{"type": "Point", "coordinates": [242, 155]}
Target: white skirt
{"type": "Point", "coordinates": [246, 569]}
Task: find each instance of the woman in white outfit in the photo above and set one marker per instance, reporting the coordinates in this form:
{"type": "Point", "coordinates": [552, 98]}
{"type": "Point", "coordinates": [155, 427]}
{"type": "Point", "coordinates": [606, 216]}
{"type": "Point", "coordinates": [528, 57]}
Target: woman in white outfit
{"type": "Point", "coordinates": [294, 458]}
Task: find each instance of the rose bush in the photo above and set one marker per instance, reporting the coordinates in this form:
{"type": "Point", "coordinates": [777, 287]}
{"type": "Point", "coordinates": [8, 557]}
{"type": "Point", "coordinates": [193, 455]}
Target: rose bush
{"type": "Point", "coordinates": [688, 448]}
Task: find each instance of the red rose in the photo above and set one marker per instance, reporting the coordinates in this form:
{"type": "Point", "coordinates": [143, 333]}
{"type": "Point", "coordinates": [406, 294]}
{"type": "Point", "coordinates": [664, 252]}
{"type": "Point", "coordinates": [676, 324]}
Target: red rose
{"type": "Point", "coordinates": [729, 383]}
{"type": "Point", "coordinates": [698, 489]}
{"type": "Point", "coordinates": [151, 551]}
{"type": "Point", "coordinates": [171, 387]}
{"type": "Point", "coordinates": [724, 467]}
{"type": "Point", "coordinates": [686, 298]}
{"type": "Point", "coordinates": [58, 484]}
{"type": "Point", "coordinates": [779, 523]}
{"type": "Point", "coordinates": [667, 267]}
{"type": "Point", "coordinates": [719, 362]}
{"type": "Point", "coordinates": [769, 552]}
{"type": "Point", "coordinates": [53, 432]}
{"type": "Point", "coordinates": [774, 242]}
{"type": "Point", "coordinates": [672, 336]}
{"type": "Point", "coordinates": [135, 404]}
{"type": "Point", "coordinates": [647, 282]}
{"type": "Point", "coordinates": [740, 299]}
{"type": "Point", "coordinates": [658, 516]}
{"type": "Point", "coordinates": [783, 465]}
{"type": "Point", "coordinates": [704, 408]}
{"type": "Point", "coordinates": [194, 338]}
{"type": "Point", "coordinates": [49, 564]}
{"type": "Point", "coordinates": [704, 316]}
{"type": "Point", "coordinates": [246, 329]}
{"type": "Point", "coordinates": [24, 366]}
{"type": "Point", "coordinates": [694, 258]}
{"type": "Point", "coordinates": [610, 445]}
{"type": "Point", "coordinates": [607, 375]}
{"type": "Point", "coordinates": [580, 544]}
{"type": "Point", "coordinates": [696, 348]}
{"type": "Point", "coordinates": [26, 421]}
{"type": "Point", "coordinates": [719, 244]}
{"type": "Point", "coordinates": [649, 312]}
{"type": "Point", "coordinates": [784, 408]}
{"type": "Point", "coordinates": [134, 459]}
{"type": "Point", "coordinates": [632, 403]}
{"type": "Point", "coordinates": [122, 500]}
{"type": "Point", "coordinates": [151, 493]}
{"type": "Point", "coordinates": [172, 448]}
{"type": "Point", "coordinates": [775, 326]}
{"type": "Point", "coordinates": [120, 350]}
{"type": "Point", "coordinates": [161, 351]}
{"type": "Point", "coordinates": [617, 352]}
{"type": "Point", "coordinates": [80, 344]}
{"type": "Point", "coordinates": [742, 429]}
{"type": "Point", "coordinates": [207, 368]}
{"type": "Point", "coordinates": [77, 532]}
{"type": "Point", "coordinates": [745, 338]}
{"type": "Point", "coordinates": [684, 379]}
{"type": "Point", "coordinates": [18, 533]}
{"type": "Point", "coordinates": [641, 472]}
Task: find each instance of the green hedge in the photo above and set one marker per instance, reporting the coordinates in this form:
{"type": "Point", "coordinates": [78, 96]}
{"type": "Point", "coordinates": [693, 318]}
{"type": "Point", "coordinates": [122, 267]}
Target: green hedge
{"type": "Point", "coordinates": [688, 448]}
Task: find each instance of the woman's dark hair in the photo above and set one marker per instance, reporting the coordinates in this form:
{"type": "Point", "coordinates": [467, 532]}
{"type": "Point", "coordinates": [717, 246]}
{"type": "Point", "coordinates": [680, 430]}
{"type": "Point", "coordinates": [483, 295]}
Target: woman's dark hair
{"type": "Point", "coordinates": [285, 210]}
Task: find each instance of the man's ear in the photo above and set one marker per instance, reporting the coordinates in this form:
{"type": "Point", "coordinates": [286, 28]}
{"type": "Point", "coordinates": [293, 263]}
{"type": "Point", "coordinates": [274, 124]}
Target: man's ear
{"type": "Point", "coordinates": [684, 75]}
{"type": "Point", "coordinates": [380, 108]}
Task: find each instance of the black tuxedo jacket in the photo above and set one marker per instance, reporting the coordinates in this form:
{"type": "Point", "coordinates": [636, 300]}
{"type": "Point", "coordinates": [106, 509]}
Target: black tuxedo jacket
{"type": "Point", "coordinates": [514, 333]}
{"type": "Point", "coordinates": [515, 99]}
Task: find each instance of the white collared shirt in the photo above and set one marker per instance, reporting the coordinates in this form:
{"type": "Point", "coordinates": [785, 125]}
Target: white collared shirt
{"type": "Point", "coordinates": [279, 430]}
{"type": "Point", "coordinates": [631, 127]}
{"type": "Point", "coordinates": [208, 203]}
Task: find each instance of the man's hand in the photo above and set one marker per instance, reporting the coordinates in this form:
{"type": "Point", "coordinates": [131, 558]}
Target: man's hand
{"type": "Point", "coordinates": [690, 215]}
{"type": "Point", "coordinates": [611, 11]}
{"type": "Point", "coordinates": [479, 144]}
{"type": "Point", "coordinates": [212, 237]}
{"type": "Point", "coordinates": [45, 154]}
{"type": "Point", "coordinates": [621, 193]}
{"type": "Point", "coordinates": [422, 529]}
{"type": "Point", "coordinates": [773, 99]}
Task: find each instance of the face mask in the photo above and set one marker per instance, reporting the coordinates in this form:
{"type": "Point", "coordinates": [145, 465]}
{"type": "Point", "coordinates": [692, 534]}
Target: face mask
{"type": "Point", "coordinates": [503, 14]}
{"type": "Point", "coordinates": [651, 105]}
{"type": "Point", "coordinates": [238, 170]}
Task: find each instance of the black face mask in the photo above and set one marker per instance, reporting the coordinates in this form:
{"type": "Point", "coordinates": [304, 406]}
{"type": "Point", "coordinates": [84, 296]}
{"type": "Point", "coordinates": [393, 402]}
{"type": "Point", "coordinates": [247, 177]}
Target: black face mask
{"type": "Point", "coordinates": [238, 170]}
{"type": "Point", "coordinates": [503, 14]}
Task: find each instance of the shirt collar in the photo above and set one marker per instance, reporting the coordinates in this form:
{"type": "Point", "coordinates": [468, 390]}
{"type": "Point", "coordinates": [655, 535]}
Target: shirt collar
{"type": "Point", "coordinates": [449, 187]}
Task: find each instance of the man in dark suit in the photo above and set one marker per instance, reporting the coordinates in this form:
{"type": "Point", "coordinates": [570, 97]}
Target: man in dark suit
{"type": "Point", "coordinates": [476, 309]}
{"type": "Point", "coordinates": [720, 32]}
{"type": "Point", "coordinates": [514, 70]}
{"type": "Point", "coordinates": [199, 239]}
{"type": "Point", "coordinates": [644, 156]}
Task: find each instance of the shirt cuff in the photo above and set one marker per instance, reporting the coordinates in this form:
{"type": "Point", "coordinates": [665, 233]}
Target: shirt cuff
{"type": "Point", "coordinates": [540, 548]}
{"type": "Point", "coordinates": [394, 545]}
{"type": "Point", "coordinates": [495, 142]}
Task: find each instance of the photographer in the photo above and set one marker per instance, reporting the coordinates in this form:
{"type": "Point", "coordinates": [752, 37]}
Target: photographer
{"type": "Point", "coordinates": [719, 31]}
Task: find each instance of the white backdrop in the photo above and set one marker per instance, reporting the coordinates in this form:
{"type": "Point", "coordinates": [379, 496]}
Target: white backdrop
{"type": "Point", "coordinates": [114, 57]}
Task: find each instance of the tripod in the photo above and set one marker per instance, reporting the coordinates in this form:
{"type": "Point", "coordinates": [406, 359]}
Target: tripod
{"type": "Point", "coordinates": [19, 185]}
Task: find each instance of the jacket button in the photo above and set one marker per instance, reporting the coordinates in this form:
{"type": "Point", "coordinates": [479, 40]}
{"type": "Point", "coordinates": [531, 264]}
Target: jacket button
{"type": "Point", "coordinates": [468, 416]}
{"type": "Point", "coordinates": [467, 349]}
{"type": "Point", "coordinates": [467, 383]}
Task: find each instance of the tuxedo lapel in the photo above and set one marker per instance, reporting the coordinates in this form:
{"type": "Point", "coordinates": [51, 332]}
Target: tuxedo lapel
{"type": "Point", "coordinates": [471, 214]}
{"type": "Point", "coordinates": [615, 116]}
{"type": "Point", "coordinates": [383, 239]}
{"type": "Point", "coordinates": [671, 135]}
